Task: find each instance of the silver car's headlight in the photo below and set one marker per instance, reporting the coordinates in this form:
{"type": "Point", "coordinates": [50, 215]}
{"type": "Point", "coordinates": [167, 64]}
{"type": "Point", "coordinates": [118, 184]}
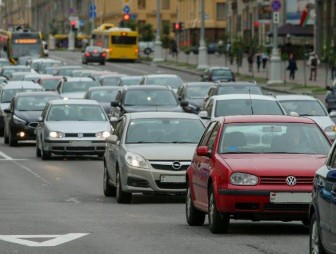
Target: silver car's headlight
{"type": "Point", "coordinates": [18, 120]}
{"type": "Point", "coordinates": [135, 160]}
{"type": "Point", "coordinates": [103, 134]}
{"type": "Point", "coordinates": [56, 134]}
{"type": "Point", "coordinates": [330, 128]}
{"type": "Point", "coordinates": [243, 179]}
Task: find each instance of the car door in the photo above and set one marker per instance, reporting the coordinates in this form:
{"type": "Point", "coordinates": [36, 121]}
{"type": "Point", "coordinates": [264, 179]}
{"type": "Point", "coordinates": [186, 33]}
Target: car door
{"type": "Point", "coordinates": [113, 150]}
{"type": "Point", "coordinates": [200, 168]}
{"type": "Point", "coordinates": [39, 130]}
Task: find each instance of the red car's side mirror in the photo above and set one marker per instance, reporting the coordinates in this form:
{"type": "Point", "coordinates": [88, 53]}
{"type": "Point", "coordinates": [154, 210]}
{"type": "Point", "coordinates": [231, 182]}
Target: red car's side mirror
{"type": "Point", "coordinates": [202, 151]}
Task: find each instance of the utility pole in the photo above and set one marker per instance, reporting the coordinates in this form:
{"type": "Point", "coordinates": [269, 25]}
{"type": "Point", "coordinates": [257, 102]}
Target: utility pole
{"type": "Point", "coordinates": [202, 50]}
{"type": "Point", "coordinates": [158, 53]}
{"type": "Point", "coordinates": [71, 44]}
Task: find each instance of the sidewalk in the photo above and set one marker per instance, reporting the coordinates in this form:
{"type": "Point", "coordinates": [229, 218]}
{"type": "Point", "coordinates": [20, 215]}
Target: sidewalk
{"type": "Point", "coordinates": [301, 82]}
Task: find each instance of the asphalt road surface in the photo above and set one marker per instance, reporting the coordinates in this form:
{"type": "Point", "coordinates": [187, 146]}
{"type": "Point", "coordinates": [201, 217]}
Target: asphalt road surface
{"type": "Point", "coordinates": [58, 206]}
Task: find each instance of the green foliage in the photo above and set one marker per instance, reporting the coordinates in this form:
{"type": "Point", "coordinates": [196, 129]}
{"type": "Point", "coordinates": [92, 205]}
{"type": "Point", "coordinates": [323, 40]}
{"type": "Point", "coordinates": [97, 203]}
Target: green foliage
{"type": "Point", "coordinates": [146, 32]}
{"type": "Point", "coordinates": [132, 24]}
{"type": "Point", "coordinates": [53, 27]}
{"type": "Point", "coordinates": [165, 35]}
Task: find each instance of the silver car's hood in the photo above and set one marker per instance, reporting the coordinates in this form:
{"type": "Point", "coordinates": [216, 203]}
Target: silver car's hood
{"type": "Point", "coordinates": [76, 127]}
{"type": "Point", "coordinates": [322, 121]}
{"type": "Point", "coordinates": [169, 152]}
{"type": "Point", "coordinates": [4, 106]}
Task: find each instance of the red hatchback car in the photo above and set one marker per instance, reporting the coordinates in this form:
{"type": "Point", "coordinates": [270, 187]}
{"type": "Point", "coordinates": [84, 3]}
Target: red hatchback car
{"type": "Point", "coordinates": [254, 168]}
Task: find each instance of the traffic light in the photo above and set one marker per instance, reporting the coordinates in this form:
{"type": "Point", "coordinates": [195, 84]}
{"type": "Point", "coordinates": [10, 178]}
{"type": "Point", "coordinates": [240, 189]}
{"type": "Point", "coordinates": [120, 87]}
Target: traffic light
{"type": "Point", "coordinates": [126, 17]}
{"type": "Point", "coordinates": [173, 27]}
{"type": "Point", "coordinates": [177, 27]}
{"type": "Point", "coordinates": [73, 25]}
{"type": "Point", "coordinates": [181, 25]}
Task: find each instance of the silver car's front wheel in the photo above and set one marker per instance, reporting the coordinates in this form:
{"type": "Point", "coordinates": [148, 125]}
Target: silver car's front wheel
{"type": "Point", "coordinates": [109, 190]}
{"type": "Point", "coordinates": [122, 196]}
{"type": "Point", "coordinates": [315, 244]}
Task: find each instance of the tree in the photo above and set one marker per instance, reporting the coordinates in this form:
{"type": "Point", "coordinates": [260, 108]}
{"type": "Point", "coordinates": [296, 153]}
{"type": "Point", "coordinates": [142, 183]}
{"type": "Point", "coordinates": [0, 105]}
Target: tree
{"type": "Point", "coordinates": [53, 27]}
{"type": "Point", "coordinates": [146, 32]}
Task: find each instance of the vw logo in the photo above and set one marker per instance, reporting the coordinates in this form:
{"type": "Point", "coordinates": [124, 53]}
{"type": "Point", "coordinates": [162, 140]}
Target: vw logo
{"type": "Point", "coordinates": [176, 165]}
{"type": "Point", "coordinates": [291, 180]}
{"type": "Point", "coordinates": [80, 135]}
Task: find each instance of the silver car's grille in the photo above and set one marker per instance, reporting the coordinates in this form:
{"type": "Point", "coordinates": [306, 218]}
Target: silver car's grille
{"type": "Point", "coordinates": [83, 135]}
{"type": "Point", "coordinates": [170, 165]}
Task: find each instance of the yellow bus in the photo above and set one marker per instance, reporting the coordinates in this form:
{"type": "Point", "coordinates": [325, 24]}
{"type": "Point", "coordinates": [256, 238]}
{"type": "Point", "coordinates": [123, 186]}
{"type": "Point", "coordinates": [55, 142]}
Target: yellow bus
{"type": "Point", "coordinates": [21, 43]}
{"type": "Point", "coordinates": [119, 43]}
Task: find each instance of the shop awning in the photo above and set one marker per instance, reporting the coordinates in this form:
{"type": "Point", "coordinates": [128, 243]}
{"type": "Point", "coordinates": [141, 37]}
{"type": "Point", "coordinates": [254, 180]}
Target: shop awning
{"type": "Point", "coordinates": [294, 30]}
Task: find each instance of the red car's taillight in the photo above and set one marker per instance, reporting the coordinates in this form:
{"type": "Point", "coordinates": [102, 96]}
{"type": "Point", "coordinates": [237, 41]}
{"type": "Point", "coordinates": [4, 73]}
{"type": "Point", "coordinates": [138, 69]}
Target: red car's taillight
{"type": "Point", "coordinates": [87, 54]}
{"type": "Point", "coordinates": [103, 54]}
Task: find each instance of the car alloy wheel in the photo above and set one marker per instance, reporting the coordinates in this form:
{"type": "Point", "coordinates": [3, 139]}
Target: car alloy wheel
{"type": "Point", "coordinates": [218, 223]}
{"type": "Point", "coordinates": [315, 244]}
{"type": "Point", "coordinates": [38, 150]}
{"type": "Point", "coordinates": [44, 154]}
{"type": "Point", "coordinates": [194, 216]}
{"type": "Point", "coordinates": [122, 197]}
{"type": "Point", "coordinates": [109, 190]}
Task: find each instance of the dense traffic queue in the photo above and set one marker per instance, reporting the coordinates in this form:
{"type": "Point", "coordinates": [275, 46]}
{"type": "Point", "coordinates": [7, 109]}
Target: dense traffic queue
{"type": "Point", "coordinates": [234, 152]}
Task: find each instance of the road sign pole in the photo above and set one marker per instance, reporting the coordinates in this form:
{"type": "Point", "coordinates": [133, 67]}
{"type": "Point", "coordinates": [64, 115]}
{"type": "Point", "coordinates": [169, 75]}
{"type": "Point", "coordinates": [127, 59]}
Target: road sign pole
{"type": "Point", "coordinates": [92, 17]}
{"type": "Point", "coordinates": [275, 61]}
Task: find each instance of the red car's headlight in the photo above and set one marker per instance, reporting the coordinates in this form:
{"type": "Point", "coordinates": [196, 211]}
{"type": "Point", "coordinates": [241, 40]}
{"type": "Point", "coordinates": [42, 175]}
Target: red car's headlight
{"type": "Point", "coordinates": [243, 179]}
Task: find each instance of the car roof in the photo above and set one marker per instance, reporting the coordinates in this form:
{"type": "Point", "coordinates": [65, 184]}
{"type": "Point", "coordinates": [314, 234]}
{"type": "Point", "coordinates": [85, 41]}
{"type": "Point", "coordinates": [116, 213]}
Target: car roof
{"type": "Point", "coordinates": [143, 87]}
{"type": "Point", "coordinates": [15, 67]}
{"type": "Point", "coordinates": [71, 66]}
{"type": "Point", "coordinates": [162, 75]}
{"type": "Point", "coordinates": [104, 88]}
{"type": "Point", "coordinates": [50, 77]}
{"type": "Point", "coordinates": [79, 79]}
{"type": "Point", "coordinates": [199, 83]}
{"type": "Point", "coordinates": [219, 67]}
{"type": "Point", "coordinates": [42, 94]}
{"type": "Point", "coordinates": [131, 77]}
{"type": "Point", "coordinates": [139, 115]}
{"type": "Point", "coordinates": [75, 101]}
{"type": "Point", "coordinates": [265, 118]}
{"type": "Point", "coordinates": [22, 84]}
{"type": "Point", "coordinates": [236, 83]}
{"type": "Point", "coordinates": [295, 97]}
{"type": "Point", "coordinates": [243, 96]}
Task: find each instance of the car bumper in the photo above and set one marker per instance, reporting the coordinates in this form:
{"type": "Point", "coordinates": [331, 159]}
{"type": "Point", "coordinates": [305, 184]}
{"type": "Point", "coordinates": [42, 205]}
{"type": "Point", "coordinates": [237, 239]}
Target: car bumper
{"type": "Point", "coordinates": [152, 180]}
{"type": "Point", "coordinates": [22, 133]}
{"type": "Point", "coordinates": [95, 59]}
{"type": "Point", "coordinates": [75, 147]}
{"type": "Point", "coordinates": [258, 204]}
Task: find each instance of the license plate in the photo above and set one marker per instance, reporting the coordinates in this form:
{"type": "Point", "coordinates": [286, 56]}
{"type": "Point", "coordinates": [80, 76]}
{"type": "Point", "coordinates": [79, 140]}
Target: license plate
{"type": "Point", "coordinates": [290, 197]}
{"type": "Point", "coordinates": [80, 143]}
{"type": "Point", "coordinates": [173, 179]}
{"type": "Point", "coordinates": [95, 54]}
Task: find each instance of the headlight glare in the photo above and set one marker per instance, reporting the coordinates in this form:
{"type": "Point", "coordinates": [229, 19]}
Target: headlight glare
{"type": "Point", "coordinates": [136, 160]}
{"type": "Point", "coordinates": [330, 128]}
{"type": "Point", "coordinates": [103, 134]}
{"type": "Point", "coordinates": [243, 179]}
{"type": "Point", "coordinates": [56, 134]}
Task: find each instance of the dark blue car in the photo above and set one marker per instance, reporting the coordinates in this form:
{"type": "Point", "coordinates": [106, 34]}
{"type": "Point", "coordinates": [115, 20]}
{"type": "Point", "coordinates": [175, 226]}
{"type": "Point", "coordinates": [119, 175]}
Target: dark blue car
{"type": "Point", "coordinates": [323, 208]}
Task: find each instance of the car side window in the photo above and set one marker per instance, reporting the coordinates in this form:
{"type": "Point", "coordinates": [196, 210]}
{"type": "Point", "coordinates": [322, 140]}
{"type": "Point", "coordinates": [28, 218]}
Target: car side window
{"type": "Point", "coordinates": [332, 160]}
{"type": "Point", "coordinates": [212, 138]}
{"type": "Point", "coordinates": [204, 139]}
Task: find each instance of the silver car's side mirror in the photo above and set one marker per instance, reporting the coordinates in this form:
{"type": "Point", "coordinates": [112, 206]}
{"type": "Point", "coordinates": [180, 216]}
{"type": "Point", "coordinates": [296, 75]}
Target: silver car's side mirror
{"type": "Point", "coordinates": [203, 114]}
{"type": "Point", "coordinates": [113, 139]}
{"type": "Point", "coordinates": [332, 113]}
{"type": "Point", "coordinates": [40, 119]}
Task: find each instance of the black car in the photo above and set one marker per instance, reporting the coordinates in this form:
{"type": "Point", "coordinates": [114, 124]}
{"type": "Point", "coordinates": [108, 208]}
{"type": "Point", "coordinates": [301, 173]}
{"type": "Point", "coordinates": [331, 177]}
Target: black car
{"type": "Point", "coordinates": [194, 93]}
{"type": "Point", "coordinates": [218, 73]}
{"type": "Point", "coordinates": [22, 114]}
{"type": "Point", "coordinates": [104, 95]}
{"type": "Point", "coordinates": [241, 87]}
{"type": "Point", "coordinates": [94, 54]}
{"type": "Point", "coordinates": [142, 98]}
{"type": "Point", "coordinates": [322, 237]}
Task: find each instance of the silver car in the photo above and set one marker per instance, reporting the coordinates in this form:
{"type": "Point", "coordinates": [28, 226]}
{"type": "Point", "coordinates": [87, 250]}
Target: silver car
{"type": "Point", "coordinates": [149, 152]}
{"type": "Point", "coordinates": [72, 127]}
{"type": "Point", "coordinates": [308, 106]}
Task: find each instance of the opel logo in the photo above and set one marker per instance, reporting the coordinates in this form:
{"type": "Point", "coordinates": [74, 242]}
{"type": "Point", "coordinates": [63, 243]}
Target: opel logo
{"type": "Point", "coordinates": [291, 180]}
{"type": "Point", "coordinates": [80, 135]}
{"type": "Point", "coordinates": [176, 165]}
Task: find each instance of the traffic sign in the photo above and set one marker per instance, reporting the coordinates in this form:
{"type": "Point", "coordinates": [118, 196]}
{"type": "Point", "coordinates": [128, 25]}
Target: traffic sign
{"type": "Point", "coordinates": [275, 17]}
{"type": "Point", "coordinates": [81, 22]}
{"type": "Point", "coordinates": [126, 9]}
{"type": "Point", "coordinates": [276, 5]}
{"type": "Point", "coordinates": [93, 13]}
{"type": "Point", "coordinates": [93, 7]}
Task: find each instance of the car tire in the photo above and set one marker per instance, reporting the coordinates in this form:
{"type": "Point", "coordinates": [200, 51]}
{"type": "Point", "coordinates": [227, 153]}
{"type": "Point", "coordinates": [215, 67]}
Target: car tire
{"type": "Point", "coordinates": [305, 222]}
{"type": "Point", "coordinates": [38, 150]}
{"type": "Point", "coordinates": [2, 132]}
{"type": "Point", "coordinates": [122, 197]}
{"type": "Point", "coordinates": [44, 154]}
{"type": "Point", "coordinates": [194, 217]}
{"type": "Point", "coordinates": [315, 243]}
{"type": "Point", "coordinates": [218, 223]}
{"type": "Point", "coordinates": [109, 190]}
{"type": "Point", "coordinates": [11, 141]}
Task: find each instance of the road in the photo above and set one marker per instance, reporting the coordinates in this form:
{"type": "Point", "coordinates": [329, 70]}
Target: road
{"type": "Point", "coordinates": [58, 206]}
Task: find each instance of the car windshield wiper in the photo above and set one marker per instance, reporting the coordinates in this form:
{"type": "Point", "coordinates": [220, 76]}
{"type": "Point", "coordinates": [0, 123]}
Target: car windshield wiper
{"type": "Point", "coordinates": [306, 115]}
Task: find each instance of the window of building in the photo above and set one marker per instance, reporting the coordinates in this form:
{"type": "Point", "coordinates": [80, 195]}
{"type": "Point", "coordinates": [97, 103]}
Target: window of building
{"type": "Point", "coordinates": [141, 4]}
{"type": "Point", "coordinates": [221, 11]}
{"type": "Point", "coordinates": [165, 4]}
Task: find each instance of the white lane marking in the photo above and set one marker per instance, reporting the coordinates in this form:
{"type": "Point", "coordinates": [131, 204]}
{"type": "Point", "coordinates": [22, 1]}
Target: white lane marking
{"type": "Point", "coordinates": [73, 200]}
{"type": "Point", "coordinates": [8, 158]}
{"type": "Point", "coordinates": [56, 239]}
{"type": "Point", "coordinates": [5, 156]}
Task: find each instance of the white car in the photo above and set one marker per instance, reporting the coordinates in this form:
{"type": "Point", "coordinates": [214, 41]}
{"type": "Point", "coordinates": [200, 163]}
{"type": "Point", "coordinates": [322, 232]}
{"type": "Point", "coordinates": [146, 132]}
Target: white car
{"type": "Point", "coordinates": [240, 104]}
{"type": "Point", "coordinates": [171, 80]}
{"type": "Point", "coordinates": [308, 106]}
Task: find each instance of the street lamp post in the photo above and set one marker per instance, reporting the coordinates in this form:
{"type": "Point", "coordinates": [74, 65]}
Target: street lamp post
{"type": "Point", "coordinates": [158, 53]}
{"type": "Point", "coordinates": [275, 61]}
{"type": "Point", "coordinates": [71, 36]}
{"type": "Point", "coordinates": [202, 50]}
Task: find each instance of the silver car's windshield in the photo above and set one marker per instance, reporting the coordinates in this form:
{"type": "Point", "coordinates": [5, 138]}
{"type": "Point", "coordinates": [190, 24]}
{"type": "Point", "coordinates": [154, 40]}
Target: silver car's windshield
{"type": "Point", "coordinates": [107, 95]}
{"type": "Point", "coordinates": [79, 86]}
{"type": "Point", "coordinates": [197, 92]}
{"type": "Point", "coordinates": [173, 82]}
{"type": "Point", "coordinates": [239, 89]}
{"type": "Point", "coordinates": [304, 107]}
{"type": "Point", "coordinates": [8, 94]}
{"type": "Point", "coordinates": [150, 98]}
{"type": "Point", "coordinates": [247, 107]}
{"type": "Point", "coordinates": [273, 138]}
{"type": "Point", "coordinates": [33, 103]}
{"type": "Point", "coordinates": [76, 113]}
{"type": "Point", "coordinates": [164, 131]}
